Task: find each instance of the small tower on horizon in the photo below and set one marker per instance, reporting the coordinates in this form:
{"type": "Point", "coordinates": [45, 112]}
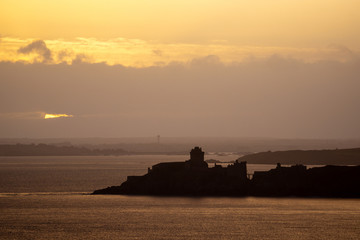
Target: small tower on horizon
{"type": "Point", "coordinates": [158, 139]}
{"type": "Point", "coordinates": [197, 158]}
{"type": "Point", "coordinates": [197, 155]}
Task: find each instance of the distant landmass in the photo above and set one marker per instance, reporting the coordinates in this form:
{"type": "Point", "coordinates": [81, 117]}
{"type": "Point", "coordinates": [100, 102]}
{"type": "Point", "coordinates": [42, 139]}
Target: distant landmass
{"type": "Point", "coordinates": [289, 157]}
{"type": "Point", "coordinates": [50, 150]}
{"type": "Point", "coordinates": [194, 178]}
{"type": "Point", "coordinates": [213, 161]}
{"type": "Point", "coordinates": [70, 150]}
{"type": "Point", "coordinates": [218, 145]}
{"type": "Point", "coordinates": [309, 157]}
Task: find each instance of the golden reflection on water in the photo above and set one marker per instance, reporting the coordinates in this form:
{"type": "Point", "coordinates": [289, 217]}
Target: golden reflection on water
{"type": "Point", "coordinates": [80, 216]}
{"type": "Point", "coordinates": [42, 198]}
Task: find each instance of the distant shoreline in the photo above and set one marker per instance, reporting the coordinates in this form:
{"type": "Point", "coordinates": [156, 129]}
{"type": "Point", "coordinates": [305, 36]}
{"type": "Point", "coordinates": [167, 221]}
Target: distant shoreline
{"type": "Point", "coordinates": [307, 157]}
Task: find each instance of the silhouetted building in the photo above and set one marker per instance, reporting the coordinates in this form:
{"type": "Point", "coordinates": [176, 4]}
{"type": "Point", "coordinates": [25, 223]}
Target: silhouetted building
{"type": "Point", "coordinates": [197, 158]}
{"type": "Point", "coordinates": [194, 177]}
{"type": "Point", "coordinates": [196, 161]}
{"type": "Point", "coordinates": [238, 169]}
{"type": "Point", "coordinates": [191, 177]}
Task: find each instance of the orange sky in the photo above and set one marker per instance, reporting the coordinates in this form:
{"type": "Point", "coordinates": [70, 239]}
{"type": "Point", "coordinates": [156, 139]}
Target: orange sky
{"type": "Point", "coordinates": [144, 33]}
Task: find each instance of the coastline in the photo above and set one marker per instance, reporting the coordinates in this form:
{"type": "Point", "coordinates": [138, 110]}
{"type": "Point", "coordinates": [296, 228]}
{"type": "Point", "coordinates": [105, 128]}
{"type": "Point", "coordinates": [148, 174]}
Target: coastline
{"type": "Point", "coordinates": [195, 178]}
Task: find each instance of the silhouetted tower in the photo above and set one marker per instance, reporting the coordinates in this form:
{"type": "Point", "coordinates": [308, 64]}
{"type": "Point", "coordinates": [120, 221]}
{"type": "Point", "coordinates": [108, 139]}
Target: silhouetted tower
{"type": "Point", "coordinates": [158, 139]}
{"type": "Point", "coordinates": [196, 154]}
{"type": "Point", "coordinates": [197, 158]}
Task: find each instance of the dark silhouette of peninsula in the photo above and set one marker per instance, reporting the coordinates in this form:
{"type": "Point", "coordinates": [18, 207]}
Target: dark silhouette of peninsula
{"type": "Point", "coordinates": [195, 178]}
{"type": "Point", "coordinates": [309, 157]}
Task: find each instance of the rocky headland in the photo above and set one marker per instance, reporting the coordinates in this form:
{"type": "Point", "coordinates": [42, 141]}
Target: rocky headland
{"type": "Point", "coordinates": [195, 178]}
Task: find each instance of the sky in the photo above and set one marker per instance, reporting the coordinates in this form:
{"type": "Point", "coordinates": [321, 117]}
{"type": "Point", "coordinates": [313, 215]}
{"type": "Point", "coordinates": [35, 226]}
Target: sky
{"type": "Point", "coordinates": [281, 68]}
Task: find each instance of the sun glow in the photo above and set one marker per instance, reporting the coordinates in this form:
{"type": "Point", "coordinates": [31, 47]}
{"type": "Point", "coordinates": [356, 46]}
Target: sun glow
{"type": "Point", "coordinates": [48, 116]}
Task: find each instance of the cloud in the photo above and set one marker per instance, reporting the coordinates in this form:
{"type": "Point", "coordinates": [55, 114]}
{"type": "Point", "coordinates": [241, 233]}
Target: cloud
{"type": "Point", "coordinates": [211, 60]}
{"type": "Point", "coordinates": [32, 115]}
{"type": "Point", "coordinates": [140, 53]}
{"type": "Point", "coordinates": [57, 115]}
{"type": "Point", "coordinates": [274, 96]}
{"type": "Point", "coordinates": [157, 52]}
{"type": "Point", "coordinates": [65, 55]}
{"type": "Point", "coordinates": [39, 47]}
{"type": "Point", "coordinates": [80, 58]}
{"type": "Point", "coordinates": [343, 53]}
{"type": "Point", "coordinates": [22, 115]}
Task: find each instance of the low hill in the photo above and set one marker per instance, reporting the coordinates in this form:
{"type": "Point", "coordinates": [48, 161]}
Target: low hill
{"type": "Point", "coordinates": [310, 157]}
{"type": "Point", "coordinates": [50, 150]}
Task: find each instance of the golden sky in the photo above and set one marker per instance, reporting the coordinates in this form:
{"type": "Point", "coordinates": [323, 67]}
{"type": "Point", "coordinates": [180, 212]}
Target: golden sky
{"type": "Point", "coordinates": [144, 33]}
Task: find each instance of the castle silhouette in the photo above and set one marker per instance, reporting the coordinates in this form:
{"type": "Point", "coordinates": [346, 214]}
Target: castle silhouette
{"type": "Point", "coordinates": [194, 178]}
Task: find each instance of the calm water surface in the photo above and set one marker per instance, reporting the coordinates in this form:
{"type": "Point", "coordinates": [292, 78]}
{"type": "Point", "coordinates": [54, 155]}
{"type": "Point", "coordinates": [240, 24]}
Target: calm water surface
{"type": "Point", "coordinates": [47, 198]}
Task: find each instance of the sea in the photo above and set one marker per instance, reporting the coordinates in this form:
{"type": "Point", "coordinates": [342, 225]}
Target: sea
{"type": "Point", "coordinates": [49, 198]}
